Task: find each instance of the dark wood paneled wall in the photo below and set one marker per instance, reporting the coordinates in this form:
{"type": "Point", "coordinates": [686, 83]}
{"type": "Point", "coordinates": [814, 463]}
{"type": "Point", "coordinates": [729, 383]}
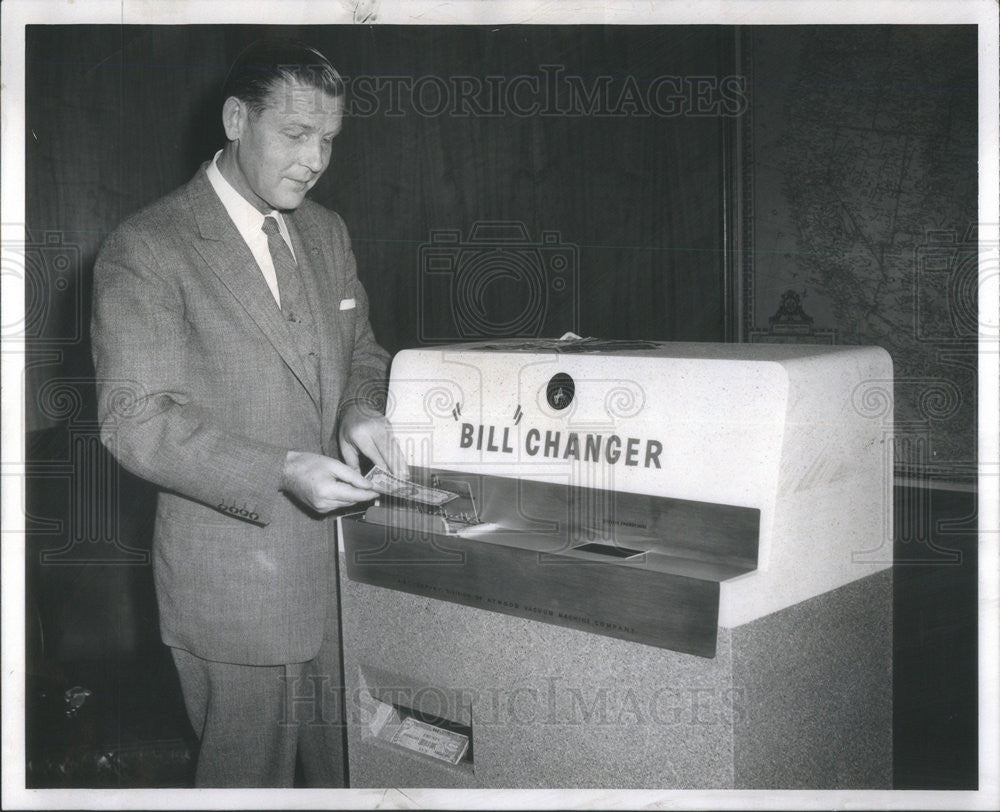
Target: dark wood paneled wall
{"type": "Point", "coordinates": [118, 116]}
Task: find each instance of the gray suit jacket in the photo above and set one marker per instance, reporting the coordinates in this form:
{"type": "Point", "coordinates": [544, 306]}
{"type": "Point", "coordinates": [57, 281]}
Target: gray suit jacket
{"type": "Point", "coordinates": [202, 390]}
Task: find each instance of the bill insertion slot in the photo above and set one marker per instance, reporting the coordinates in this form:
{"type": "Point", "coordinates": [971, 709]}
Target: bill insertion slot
{"type": "Point", "coordinates": [609, 550]}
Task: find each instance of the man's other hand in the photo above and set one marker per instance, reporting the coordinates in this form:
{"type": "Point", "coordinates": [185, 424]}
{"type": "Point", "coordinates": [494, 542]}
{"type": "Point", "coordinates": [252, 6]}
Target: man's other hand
{"type": "Point", "coordinates": [371, 435]}
{"type": "Point", "coordinates": [323, 483]}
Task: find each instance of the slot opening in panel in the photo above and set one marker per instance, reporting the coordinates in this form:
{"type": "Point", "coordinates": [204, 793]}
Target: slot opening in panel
{"type": "Point", "coordinates": [441, 723]}
{"type": "Point", "coordinates": [609, 550]}
{"type": "Point", "coordinates": [390, 721]}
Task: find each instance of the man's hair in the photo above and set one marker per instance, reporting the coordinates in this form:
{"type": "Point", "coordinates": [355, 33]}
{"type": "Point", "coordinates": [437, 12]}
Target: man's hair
{"type": "Point", "coordinates": [267, 63]}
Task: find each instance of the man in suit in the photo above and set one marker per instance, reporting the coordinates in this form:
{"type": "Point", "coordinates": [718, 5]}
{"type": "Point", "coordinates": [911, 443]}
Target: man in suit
{"type": "Point", "coordinates": [236, 369]}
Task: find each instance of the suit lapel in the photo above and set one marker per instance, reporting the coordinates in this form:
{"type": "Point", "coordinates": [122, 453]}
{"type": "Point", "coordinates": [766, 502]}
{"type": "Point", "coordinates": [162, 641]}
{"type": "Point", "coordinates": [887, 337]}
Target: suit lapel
{"type": "Point", "coordinates": [230, 259]}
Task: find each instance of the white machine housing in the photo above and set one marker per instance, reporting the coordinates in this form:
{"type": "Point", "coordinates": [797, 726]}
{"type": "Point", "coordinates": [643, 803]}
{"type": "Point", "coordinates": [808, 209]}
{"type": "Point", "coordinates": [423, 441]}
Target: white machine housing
{"type": "Point", "coordinates": [801, 432]}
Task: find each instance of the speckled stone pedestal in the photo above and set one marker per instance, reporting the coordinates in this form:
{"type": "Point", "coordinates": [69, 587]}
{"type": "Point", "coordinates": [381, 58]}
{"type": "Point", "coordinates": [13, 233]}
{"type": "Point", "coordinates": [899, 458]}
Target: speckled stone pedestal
{"type": "Point", "coordinates": [801, 698]}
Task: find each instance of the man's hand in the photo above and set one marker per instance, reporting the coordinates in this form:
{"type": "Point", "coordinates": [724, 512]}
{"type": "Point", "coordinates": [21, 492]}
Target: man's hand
{"type": "Point", "coordinates": [369, 434]}
{"type": "Point", "coordinates": [323, 483]}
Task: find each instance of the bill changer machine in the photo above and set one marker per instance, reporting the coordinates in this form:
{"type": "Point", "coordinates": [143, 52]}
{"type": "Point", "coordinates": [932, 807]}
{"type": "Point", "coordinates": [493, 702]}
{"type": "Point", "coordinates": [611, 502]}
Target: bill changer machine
{"type": "Point", "coordinates": [626, 564]}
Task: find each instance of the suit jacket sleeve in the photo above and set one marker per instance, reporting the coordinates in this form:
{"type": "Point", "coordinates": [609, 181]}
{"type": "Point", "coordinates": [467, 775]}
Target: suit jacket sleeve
{"type": "Point", "coordinates": [366, 382]}
{"type": "Point", "coordinates": [148, 419]}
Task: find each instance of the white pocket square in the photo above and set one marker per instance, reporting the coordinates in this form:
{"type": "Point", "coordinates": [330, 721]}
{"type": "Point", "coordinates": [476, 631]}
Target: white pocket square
{"type": "Point", "coordinates": [347, 304]}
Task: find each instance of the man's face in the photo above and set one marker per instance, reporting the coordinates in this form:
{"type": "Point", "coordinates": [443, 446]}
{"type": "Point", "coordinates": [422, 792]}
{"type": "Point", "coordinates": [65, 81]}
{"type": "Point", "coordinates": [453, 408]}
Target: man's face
{"type": "Point", "coordinates": [281, 151]}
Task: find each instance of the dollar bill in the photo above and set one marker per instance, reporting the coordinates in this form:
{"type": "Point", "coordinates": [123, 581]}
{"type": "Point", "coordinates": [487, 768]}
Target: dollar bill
{"type": "Point", "coordinates": [430, 740]}
{"type": "Point", "coordinates": [391, 485]}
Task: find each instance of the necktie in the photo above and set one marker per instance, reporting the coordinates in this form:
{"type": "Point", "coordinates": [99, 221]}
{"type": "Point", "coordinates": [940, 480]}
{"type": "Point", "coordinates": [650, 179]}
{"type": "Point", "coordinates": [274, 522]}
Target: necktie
{"type": "Point", "coordinates": [285, 269]}
{"type": "Point", "coordinates": [294, 303]}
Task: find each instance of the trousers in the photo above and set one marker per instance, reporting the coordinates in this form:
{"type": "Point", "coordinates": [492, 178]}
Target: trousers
{"type": "Point", "coordinates": [252, 721]}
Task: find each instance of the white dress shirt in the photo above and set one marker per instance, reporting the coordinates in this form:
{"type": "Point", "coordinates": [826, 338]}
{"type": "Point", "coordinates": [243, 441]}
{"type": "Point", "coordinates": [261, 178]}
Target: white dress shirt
{"type": "Point", "coordinates": [249, 222]}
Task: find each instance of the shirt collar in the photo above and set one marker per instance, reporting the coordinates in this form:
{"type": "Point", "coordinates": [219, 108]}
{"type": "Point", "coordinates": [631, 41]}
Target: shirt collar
{"type": "Point", "coordinates": [245, 216]}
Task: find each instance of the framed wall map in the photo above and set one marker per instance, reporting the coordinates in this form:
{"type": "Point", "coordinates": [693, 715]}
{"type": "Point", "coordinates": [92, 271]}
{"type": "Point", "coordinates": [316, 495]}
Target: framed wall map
{"type": "Point", "coordinates": [860, 206]}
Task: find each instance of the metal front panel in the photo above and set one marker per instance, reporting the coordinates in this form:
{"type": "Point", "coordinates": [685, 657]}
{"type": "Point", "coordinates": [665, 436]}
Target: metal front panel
{"type": "Point", "coordinates": [642, 605]}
